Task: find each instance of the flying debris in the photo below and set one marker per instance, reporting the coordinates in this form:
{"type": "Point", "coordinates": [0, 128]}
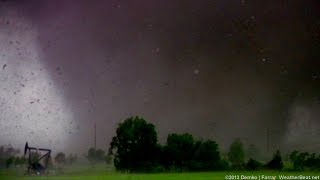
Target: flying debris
{"type": "Point", "coordinates": [4, 66]}
{"type": "Point", "coordinates": [157, 50]}
{"type": "Point", "coordinates": [314, 76]}
{"type": "Point", "coordinates": [166, 84]}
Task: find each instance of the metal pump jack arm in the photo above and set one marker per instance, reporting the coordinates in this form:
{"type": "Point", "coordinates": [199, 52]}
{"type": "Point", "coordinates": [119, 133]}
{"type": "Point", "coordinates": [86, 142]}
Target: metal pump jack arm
{"type": "Point", "coordinates": [36, 166]}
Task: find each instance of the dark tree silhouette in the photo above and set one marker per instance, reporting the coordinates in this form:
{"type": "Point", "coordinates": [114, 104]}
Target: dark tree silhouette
{"type": "Point", "coordinates": [253, 164]}
{"type": "Point", "coordinates": [9, 162]}
{"type": "Point", "coordinates": [302, 160]}
{"type": "Point", "coordinates": [206, 156]}
{"type": "Point", "coordinates": [179, 150]}
{"type": "Point", "coordinates": [72, 158]}
{"type": "Point", "coordinates": [96, 155]}
{"type": "Point", "coordinates": [35, 156]}
{"type": "Point", "coordinates": [91, 156]}
{"type": "Point", "coordinates": [236, 154]}
{"type": "Point", "coordinates": [60, 158]}
{"type": "Point", "coordinates": [276, 163]}
{"type": "Point", "coordinates": [7, 154]}
{"type": "Point", "coordinates": [134, 145]}
{"type": "Point", "coordinates": [252, 152]}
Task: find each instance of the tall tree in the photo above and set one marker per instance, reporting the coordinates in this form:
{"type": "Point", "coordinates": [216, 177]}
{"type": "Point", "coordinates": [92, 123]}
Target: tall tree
{"type": "Point", "coordinates": [208, 156]}
{"type": "Point", "coordinates": [60, 158]}
{"type": "Point", "coordinates": [179, 150]}
{"type": "Point", "coordinates": [7, 152]}
{"type": "Point", "coordinates": [134, 145]}
{"type": "Point", "coordinates": [96, 155]}
{"type": "Point", "coordinates": [276, 163]}
{"type": "Point", "coordinates": [252, 152]}
{"type": "Point", "coordinates": [236, 154]}
{"type": "Point", "coordinates": [91, 156]}
{"type": "Point", "coordinates": [72, 158]}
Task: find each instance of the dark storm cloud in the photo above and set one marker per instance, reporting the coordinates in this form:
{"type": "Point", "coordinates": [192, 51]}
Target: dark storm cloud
{"type": "Point", "coordinates": [220, 69]}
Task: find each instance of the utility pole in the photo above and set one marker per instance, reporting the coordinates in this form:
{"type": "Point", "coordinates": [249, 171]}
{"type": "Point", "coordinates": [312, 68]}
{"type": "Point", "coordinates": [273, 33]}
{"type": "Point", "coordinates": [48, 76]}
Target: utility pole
{"type": "Point", "coordinates": [95, 136]}
{"type": "Point", "coordinates": [93, 108]}
{"type": "Point", "coordinates": [268, 140]}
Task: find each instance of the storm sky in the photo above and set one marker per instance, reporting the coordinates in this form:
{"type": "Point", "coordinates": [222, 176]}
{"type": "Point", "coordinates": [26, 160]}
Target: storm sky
{"type": "Point", "coordinates": [215, 68]}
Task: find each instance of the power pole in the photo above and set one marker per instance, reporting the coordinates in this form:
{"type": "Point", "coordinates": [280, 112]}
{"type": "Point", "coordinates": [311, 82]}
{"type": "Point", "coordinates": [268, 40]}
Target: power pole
{"type": "Point", "coordinates": [268, 140]}
{"type": "Point", "coordinates": [93, 110]}
{"type": "Point", "coordinates": [95, 136]}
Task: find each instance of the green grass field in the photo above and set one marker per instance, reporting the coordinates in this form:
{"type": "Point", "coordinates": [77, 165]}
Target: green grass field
{"type": "Point", "coordinates": [100, 173]}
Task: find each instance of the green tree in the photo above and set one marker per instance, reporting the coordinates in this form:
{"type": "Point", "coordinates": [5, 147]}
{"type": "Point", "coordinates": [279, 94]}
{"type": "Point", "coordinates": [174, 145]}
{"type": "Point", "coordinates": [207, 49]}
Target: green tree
{"type": "Point", "coordinates": [9, 162]}
{"type": "Point", "coordinates": [60, 158]}
{"type": "Point", "coordinates": [96, 155]}
{"type": "Point", "coordinates": [313, 162]}
{"type": "Point", "coordinates": [134, 145]}
{"type": "Point", "coordinates": [100, 155]}
{"type": "Point", "coordinates": [252, 152]}
{"type": "Point", "coordinates": [253, 164]}
{"type": "Point", "coordinates": [50, 162]}
{"type": "Point", "coordinates": [34, 156]}
{"type": "Point", "coordinates": [17, 161]}
{"type": "Point", "coordinates": [236, 154]}
{"type": "Point", "coordinates": [6, 153]}
{"type": "Point", "coordinates": [72, 158]}
{"type": "Point", "coordinates": [91, 156]}
{"type": "Point", "coordinates": [301, 160]}
{"type": "Point", "coordinates": [276, 163]}
{"type": "Point", "coordinates": [180, 150]}
{"type": "Point", "coordinates": [108, 159]}
{"type": "Point", "coordinates": [207, 156]}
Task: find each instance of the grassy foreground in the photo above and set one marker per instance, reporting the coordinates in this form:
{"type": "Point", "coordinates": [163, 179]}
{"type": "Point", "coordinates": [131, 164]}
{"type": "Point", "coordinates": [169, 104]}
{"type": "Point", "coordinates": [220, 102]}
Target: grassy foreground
{"type": "Point", "coordinates": [100, 173]}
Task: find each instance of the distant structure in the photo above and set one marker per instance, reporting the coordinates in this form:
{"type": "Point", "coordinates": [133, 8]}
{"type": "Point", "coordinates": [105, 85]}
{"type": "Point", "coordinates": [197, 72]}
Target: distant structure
{"type": "Point", "coordinates": [95, 136]}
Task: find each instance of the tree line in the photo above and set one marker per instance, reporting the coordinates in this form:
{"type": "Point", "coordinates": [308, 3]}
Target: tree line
{"type": "Point", "coordinates": [10, 157]}
{"type": "Point", "coordinates": [135, 148]}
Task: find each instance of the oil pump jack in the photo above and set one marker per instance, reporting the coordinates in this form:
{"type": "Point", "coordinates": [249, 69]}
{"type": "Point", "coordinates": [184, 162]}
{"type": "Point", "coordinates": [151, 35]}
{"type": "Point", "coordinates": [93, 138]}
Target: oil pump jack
{"type": "Point", "coordinates": [34, 163]}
